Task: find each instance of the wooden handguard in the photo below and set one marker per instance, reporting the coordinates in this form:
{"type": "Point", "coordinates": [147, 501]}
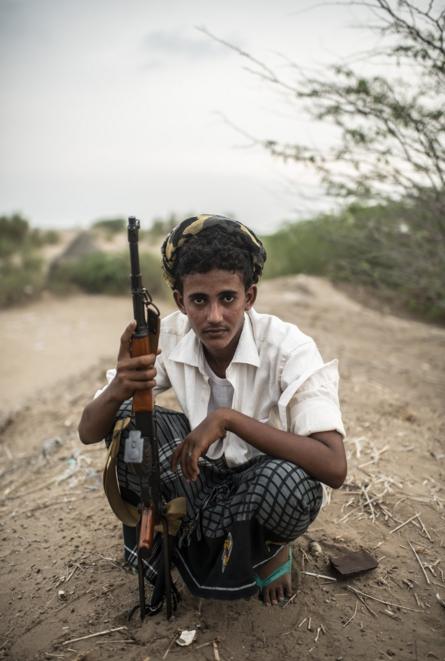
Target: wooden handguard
{"type": "Point", "coordinates": [142, 399]}
{"type": "Point", "coordinates": [147, 529]}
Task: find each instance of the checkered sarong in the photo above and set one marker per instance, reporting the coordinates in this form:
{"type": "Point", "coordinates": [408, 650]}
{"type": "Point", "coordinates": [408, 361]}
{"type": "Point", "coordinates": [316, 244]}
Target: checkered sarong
{"type": "Point", "coordinates": [237, 518]}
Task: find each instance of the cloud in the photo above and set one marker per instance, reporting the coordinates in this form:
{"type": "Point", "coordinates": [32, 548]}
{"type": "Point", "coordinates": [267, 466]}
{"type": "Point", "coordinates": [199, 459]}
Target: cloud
{"type": "Point", "coordinates": [174, 43]}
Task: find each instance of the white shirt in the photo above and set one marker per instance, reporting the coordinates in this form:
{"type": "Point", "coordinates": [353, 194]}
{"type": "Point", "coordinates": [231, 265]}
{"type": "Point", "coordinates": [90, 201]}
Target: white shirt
{"type": "Point", "coordinates": [221, 396]}
{"type": "Point", "coordinates": [277, 374]}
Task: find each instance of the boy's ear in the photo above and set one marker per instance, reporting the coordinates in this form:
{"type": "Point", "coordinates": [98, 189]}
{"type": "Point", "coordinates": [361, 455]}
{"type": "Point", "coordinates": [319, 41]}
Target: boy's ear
{"type": "Point", "coordinates": [179, 300]}
{"type": "Point", "coordinates": [250, 297]}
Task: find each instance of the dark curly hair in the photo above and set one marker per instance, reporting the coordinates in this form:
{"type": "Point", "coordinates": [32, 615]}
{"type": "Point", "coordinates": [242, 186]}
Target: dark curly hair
{"type": "Point", "coordinates": [216, 248]}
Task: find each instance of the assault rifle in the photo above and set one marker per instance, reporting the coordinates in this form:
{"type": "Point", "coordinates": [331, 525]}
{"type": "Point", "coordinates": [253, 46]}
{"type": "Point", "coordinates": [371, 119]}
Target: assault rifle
{"type": "Point", "coordinates": [141, 446]}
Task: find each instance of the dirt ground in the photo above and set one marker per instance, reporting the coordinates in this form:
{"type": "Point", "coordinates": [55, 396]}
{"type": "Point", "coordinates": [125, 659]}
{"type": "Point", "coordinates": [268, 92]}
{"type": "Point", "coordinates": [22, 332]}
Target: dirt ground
{"type": "Point", "coordinates": [62, 576]}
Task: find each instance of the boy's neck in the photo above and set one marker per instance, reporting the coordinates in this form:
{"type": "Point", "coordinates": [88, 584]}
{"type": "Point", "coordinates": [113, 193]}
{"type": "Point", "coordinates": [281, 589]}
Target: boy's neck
{"type": "Point", "coordinates": [218, 364]}
{"type": "Point", "coordinates": [221, 360]}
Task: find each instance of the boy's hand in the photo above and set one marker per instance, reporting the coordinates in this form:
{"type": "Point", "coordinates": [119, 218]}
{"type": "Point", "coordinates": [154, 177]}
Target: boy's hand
{"type": "Point", "coordinates": [132, 374]}
{"type": "Point", "coordinates": [196, 444]}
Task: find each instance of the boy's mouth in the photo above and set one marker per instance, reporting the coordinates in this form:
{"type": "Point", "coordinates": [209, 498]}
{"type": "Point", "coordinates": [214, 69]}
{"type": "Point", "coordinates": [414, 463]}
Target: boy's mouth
{"type": "Point", "coordinates": [214, 331]}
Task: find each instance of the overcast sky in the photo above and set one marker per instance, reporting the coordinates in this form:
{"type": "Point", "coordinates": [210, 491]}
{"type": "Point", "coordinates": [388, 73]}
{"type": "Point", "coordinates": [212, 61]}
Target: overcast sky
{"type": "Point", "coordinates": [113, 107]}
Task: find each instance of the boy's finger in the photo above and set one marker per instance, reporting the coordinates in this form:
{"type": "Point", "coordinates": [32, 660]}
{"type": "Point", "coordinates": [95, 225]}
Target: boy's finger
{"type": "Point", "coordinates": [124, 348]}
{"type": "Point", "coordinates": [194, 469]}
{"type": "Point", "coordinates": [190, 463]}
{"type": "Point", "coordinates": [185, 465]}
{"type": "Point", "coordinates": [175, 457]}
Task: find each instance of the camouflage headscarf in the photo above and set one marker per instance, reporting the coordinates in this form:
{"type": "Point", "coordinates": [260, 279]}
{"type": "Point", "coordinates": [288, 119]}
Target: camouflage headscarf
{"type": "Point", "coordinates": [191, 226]}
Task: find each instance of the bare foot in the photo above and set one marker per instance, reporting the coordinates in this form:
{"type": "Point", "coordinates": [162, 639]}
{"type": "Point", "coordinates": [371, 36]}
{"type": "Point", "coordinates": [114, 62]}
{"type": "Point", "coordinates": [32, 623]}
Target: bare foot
{"type": "Point", "coordinates": [281, 588]}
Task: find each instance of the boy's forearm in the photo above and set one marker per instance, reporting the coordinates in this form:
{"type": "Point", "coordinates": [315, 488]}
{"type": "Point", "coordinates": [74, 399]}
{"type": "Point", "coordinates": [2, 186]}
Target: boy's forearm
{"type": "Point", "coordinates": [322, 457]}
{"type": "Point", "coordinates": [98, 417]}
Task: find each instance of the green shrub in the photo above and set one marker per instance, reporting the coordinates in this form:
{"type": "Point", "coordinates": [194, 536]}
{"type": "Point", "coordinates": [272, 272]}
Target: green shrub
{"type": "Point", "coordinates": [21, 268]}
{"type": "Point", "coordinates": [14, 231]}
{"type": "Point", "coordinates": [20, 279]}
{"type": "Point", "coordinates": [16, 235]}
{"type": "Point", "coordinates": [397, 248]}
{"type": "Point", "coordinates": [105, 273]}
{"type": "Point", "coordinates": [160, 227]}
{"type": "Point", "coordinates": [40, 237]}
{"type": "Point", "coordinates": [301, 247]}
{"type": "Point", "coordinates": [110, 226]}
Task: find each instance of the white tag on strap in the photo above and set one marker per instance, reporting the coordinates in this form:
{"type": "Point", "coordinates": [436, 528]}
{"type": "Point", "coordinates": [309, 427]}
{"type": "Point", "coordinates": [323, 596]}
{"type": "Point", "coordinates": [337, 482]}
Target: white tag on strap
{"type": "Point", "coordinates": [134, 447]}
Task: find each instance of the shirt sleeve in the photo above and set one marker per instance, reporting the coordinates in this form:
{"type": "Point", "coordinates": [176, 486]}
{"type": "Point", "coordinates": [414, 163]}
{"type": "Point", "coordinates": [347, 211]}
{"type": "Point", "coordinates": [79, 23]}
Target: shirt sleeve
{"type": "Point", "coordinates": [162, 380]}
{"type": "Point", "coordinates": [109, 375]}
{"type": "Point", "coordinates": [315, 407]}
{"type": "Point", "coordinates": [309, 401]}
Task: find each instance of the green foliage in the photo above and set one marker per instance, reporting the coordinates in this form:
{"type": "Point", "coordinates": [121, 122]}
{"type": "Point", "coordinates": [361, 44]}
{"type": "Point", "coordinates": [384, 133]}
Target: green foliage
{"type": "Point", "coordinates": [14, 230]}
{"type": "Point", "coordinates": [298, 248]}
{"type": "Point", "coordinates": [105, 273]}
{"type": "Point", "coordinates": [394, 248]}
{"type": "Point", "coordinates": [21, 278]}
{"type": "Point", "coordinates": [160, 227]}
{"type": "Point", "coordinates": [388, 159]}
{"type": "Point", "coordinates": [389, 128]}
{"type": "Point", "coordinates": [21, 267]}
{"type": "Point", "coordinates": [44, 237]}
{"type": "Point", "coordinates": [110, 226]}
{"type": "Point", "coordinates": [17, 236]}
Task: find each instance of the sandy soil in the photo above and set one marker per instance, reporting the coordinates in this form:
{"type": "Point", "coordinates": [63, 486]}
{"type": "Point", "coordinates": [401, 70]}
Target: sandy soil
{"type": "Point", "coordinates": [61, 572]}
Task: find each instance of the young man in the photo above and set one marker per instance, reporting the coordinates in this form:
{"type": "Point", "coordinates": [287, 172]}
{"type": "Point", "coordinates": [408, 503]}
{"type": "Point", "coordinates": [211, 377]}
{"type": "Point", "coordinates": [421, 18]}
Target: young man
{"type": "Point", "coordinates": [266, 428]}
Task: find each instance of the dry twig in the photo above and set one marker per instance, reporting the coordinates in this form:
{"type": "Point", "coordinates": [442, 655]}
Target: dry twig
{"type": "Point", "coordinates": [93, 635]}
{"type": "Point", "coordinates": [369, 503]}
{"type": "Point", "coordinates": [420, 563]}
{"type": "Point", "coordinates": [170, 645]}
{"type": "Point", "coordinates": [404, 523]}
{"type": "Point", "coordinates": [290, 600]}
{"type": "Point", "coordinates": [352, 616]}
{"type": "Point", "coordinates": [382, 601]}
{"type": "Point", "coordinates": [216, 651]}
{"type": "Point", "coordinates": [423, 528]}
{"type": "Point", "coordinates": [311, 573]}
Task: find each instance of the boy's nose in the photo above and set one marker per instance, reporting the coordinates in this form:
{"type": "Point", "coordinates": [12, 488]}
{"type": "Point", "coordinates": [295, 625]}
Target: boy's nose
{"type": "Point", "coordinates": [215, 313]}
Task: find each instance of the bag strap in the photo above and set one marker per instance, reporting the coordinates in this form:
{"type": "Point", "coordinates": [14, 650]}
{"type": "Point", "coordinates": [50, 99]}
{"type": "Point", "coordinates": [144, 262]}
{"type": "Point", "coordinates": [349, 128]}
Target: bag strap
{"type": "Point", "coordinates": [175, 509]}
{"type": "Point", "coordinates": [125, 512]}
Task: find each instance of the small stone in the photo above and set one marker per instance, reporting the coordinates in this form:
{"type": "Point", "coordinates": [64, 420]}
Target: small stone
{"type": "Point", "coordinates": [315, 549]}
{"type": "Point", "coordinates": [51, 445]}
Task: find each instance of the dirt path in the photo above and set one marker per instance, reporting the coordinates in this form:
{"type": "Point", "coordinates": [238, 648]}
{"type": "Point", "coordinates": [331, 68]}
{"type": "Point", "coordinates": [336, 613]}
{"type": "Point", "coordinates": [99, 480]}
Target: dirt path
{"type": "Point", "coordinates": [61, 571]}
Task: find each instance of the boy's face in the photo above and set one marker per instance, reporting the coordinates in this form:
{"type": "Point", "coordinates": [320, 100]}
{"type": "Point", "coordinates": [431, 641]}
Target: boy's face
{"type": "Point", "coordinates": [215, 303]}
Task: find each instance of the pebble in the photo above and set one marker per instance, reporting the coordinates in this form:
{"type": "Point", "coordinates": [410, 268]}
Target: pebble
{"type": "Point", "coordinates": [50, 446]}
{"type": "Point", "coordinates": [315, 549]}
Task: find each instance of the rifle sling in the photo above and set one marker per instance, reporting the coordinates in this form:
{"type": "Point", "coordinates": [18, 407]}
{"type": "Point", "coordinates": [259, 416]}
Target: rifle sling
{"type": "Point", "coordinates": [175, 509]}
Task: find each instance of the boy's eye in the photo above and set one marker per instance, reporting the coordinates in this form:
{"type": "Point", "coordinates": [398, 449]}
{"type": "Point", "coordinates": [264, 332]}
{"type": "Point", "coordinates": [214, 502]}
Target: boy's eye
{"type": "Point", "coordinates": [198, 300]}
{"type": "Point", "coordinates": [228, 298]}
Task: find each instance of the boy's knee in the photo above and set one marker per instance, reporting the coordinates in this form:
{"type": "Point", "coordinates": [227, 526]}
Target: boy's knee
{"type": "Point", "coordinates": [290, 486]}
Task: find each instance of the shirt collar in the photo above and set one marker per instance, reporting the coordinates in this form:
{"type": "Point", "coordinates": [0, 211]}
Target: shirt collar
{"type": "Point", "coordinates": [190, 352]}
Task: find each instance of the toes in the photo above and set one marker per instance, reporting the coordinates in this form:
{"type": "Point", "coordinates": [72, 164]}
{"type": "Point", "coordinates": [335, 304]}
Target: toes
{"type": "Point", "coordinates": [277, 594]}
{"type": "Point", "coordinates": [273, 596]}
{"type": "Point", "coordinates": [266, 598]}
{"type": "Point", "coordinates": [288, 590]}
